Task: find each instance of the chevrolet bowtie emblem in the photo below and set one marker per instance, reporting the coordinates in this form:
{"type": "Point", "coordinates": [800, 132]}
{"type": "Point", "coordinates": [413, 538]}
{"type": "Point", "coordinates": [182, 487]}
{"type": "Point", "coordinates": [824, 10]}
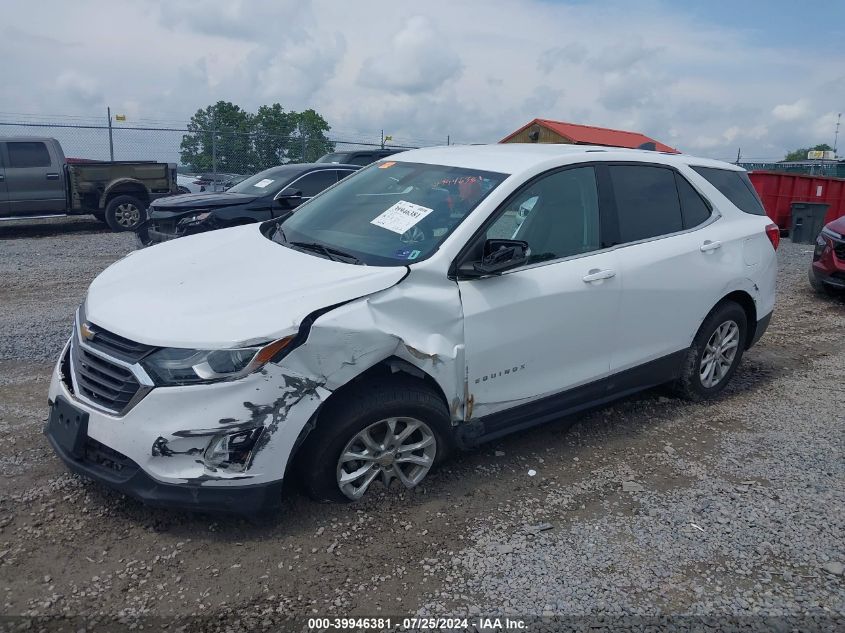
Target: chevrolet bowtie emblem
{"type": "Point", "coordinates": [86, 331]}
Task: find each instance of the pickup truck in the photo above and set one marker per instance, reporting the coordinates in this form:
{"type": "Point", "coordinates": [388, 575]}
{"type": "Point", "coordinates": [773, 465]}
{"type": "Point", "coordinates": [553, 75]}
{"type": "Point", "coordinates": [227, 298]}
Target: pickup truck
{"type": "Point", "coordinates": [37, 181]}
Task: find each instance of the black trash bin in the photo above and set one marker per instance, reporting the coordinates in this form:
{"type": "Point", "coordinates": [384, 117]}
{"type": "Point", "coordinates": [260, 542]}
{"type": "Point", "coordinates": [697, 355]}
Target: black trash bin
{"type": "Point", "coordinates": [807, 221]}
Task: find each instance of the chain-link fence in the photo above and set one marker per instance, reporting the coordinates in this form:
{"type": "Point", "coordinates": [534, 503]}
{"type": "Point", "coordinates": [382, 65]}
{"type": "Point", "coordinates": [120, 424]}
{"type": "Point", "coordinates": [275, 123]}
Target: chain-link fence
{"type": "Point", "coordinates": [195, 150]}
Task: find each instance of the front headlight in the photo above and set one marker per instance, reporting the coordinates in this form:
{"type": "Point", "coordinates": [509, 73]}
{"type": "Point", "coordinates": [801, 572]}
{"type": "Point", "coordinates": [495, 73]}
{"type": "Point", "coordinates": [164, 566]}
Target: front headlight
{"type": "Point", "coordinates": [178, 366]}
{"type": "Point", "coordinates": [195, 219]}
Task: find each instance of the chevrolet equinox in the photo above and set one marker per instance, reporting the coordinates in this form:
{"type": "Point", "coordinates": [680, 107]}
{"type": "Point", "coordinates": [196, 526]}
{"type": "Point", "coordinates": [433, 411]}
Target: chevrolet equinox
{"type": "Point", "coordinates": [431, 301]}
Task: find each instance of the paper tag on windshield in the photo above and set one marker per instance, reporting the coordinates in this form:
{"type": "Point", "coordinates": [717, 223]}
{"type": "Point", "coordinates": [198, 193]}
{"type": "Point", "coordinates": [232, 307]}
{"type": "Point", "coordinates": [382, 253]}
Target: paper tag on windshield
{"type": "Point", "coordinates": [401, 217]}
{"type": "Point", "coordinates": [263, 183]}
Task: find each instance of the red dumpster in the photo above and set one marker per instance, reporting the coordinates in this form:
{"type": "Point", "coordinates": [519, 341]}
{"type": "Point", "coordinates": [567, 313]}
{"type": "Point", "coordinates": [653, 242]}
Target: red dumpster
{"type": "Point", "coordinates": [779, 189]}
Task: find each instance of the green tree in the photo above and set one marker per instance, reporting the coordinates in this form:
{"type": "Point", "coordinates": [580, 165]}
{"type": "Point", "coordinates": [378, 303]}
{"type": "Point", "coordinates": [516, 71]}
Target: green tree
{"type": "Point", "coordinates": [272, 131]}
{"type": "Point", "coordinates": [801, 154]}
{"type": "Point", "coordinates": [246, 143]}
{"type": "Point", "coordinates": [223, 128]}
{"type": "Point", "coordinates": [310, 140]}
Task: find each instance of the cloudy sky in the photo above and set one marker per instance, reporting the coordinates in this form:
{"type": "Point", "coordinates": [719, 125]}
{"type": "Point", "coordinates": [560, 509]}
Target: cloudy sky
{"type": "Point", "coordinates": [706, 77]}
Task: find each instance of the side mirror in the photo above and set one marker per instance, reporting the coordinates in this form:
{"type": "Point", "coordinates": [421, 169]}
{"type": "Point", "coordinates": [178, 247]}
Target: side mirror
{"type": "Point", "coordinates": [499, 256]}
{"type": "Point", "coordinates": [289, 198]}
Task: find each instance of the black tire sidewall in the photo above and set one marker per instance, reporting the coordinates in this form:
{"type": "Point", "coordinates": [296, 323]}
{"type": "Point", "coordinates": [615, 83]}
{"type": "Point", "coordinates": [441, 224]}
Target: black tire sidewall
{"type": "Point", "coordinates": [691, 378]}
{"type": "Point", "coordinates": [353, 412]}
{"type": "Point", "coordinates": [115, 202]}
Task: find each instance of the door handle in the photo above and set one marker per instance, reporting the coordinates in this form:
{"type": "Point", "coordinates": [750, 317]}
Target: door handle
{"type": "Point", "coordinates": [597, 275]}
{"type": "Point", "coordinates": [710, 246]}
{"type": "Point", "coordinates": [52, 176]}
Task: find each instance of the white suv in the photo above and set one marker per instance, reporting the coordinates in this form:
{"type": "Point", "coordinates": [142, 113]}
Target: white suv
{"type": "Point", "coordinates": [433, 300]}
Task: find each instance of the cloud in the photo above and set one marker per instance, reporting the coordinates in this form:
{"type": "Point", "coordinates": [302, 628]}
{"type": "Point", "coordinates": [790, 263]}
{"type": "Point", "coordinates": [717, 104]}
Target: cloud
{"type": "Point", "coordinates": [551, 58]}
{"type": "Point", "coordinates": [419, 58]}
{"type": "Point", "coordinates": [80, 89]}
{"type": "Point", "coordinates": [791, 111]}
{"type": "Point", "coordinates": [472, 70]}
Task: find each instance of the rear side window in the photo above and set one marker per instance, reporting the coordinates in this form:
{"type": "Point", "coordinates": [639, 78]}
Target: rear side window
{"type": "Point", "coordinates": [735, 186]}
{"type": "Point", "coordinates": [695, 209]}
{"type": "Point", "coordinates": [646, 200]}
{"type": "Point", "coordinates": [28, 154]}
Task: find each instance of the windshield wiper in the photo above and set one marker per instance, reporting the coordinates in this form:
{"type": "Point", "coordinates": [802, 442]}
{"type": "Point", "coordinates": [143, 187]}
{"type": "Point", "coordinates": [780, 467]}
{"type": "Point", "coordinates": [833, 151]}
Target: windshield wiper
{"type": "Point", "coordinates": [334, 254]}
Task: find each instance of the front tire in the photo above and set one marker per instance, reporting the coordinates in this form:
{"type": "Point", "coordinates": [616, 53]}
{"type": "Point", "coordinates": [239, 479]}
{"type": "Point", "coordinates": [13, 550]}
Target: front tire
{"type": "Point", "coordinates": [396, 430]}
{"type": "Point", "coordinates": [125, 213]}
{"type": "Point", "coordinates": [715, 353]}
{"type": "Point", "coordinates": [818, 286]}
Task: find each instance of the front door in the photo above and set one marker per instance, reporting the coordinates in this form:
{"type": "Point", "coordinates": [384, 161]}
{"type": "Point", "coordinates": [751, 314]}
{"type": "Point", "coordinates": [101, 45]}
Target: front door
{"type": "Point", "coordinates": [33, 179]}
{"type": "Point", "coordinates": [548, 326]}
{"type": "Point", "coordinates": [4, 192]}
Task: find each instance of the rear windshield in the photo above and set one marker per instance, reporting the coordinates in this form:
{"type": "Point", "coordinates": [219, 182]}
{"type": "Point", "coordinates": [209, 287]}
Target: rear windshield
{"type": "Point", "coordinates": [337, 157]}
{"type": "Point", "coordinates": [735, 186]}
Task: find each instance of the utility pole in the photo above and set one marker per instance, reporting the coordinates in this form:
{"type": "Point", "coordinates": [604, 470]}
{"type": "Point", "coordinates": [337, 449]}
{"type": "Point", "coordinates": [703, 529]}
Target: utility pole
{"type": "Point", "coordinates": [738, 154]}
{"type": "Point", "coordinates": [111, 140]}
{"type": "Point", "coordinates": [214, 147]}
{"type": "Point", "coordinates": [382, 139]}
{"type": "Point", "coordinates": [836, 136]}
{"type": "Point", "coordinates": [448, 139]}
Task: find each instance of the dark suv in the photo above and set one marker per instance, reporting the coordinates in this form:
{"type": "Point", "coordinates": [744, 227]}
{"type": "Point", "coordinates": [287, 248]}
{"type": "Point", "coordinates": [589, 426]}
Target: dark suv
{"type": "Point", "coordinates": [358, 157]}
{"type": "Point", "coordinates": [827, 273]}
{"type": "Point", "coordinates": [266, 195]}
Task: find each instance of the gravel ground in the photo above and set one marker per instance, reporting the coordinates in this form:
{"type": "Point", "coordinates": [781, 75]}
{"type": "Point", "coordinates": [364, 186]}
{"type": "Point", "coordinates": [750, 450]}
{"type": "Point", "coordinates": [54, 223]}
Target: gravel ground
{"type": "Point", "coordinates": [653, 507]}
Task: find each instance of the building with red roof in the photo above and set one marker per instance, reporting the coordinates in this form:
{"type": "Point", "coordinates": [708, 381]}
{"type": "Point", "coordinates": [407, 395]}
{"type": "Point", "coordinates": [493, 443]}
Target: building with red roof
{"type": "Point", "coordinates": [547, 131]}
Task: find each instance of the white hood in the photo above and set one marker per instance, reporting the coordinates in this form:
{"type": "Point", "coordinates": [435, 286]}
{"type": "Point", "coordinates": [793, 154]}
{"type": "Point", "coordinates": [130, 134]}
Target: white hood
{"type": "Point", "coordinates": [222, 289]}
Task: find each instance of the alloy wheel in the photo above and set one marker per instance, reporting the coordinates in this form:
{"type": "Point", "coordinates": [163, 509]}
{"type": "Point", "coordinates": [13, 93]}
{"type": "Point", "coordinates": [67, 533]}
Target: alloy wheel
{"type": "Point", "coordinates": [127, 215]}
{"type": "Point", "coordinates": [393, 448]}
{"type": "Point", "coordinates": [719, 354]}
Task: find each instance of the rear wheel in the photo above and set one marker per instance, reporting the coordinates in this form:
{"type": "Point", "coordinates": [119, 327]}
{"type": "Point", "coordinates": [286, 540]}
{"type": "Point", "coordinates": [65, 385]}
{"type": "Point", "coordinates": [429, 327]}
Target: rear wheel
{"type": "Point", "coordinates": [125, 213]}
{"type": "Point", "coordinates": [715, 353]}
{"type": "Point", "coordinates": [373, 436]}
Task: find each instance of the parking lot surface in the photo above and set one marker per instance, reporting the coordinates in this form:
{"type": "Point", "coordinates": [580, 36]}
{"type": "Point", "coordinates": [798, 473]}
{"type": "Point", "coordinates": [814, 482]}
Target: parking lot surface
{"type": "Point", "coordinates": [731, 508]}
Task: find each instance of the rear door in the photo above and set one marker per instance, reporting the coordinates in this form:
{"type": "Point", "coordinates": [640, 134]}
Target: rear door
{"type": "Point", "coordinates": [34, 179]}
{"type": "Point", "coordinates": [4, 192]}
{"type": "Point", "coordinates": [672, 262]}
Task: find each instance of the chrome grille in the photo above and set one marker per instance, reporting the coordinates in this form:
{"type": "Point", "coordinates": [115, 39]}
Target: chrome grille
{"type": "Point", "coordinates": [102, 382]}
{"type": "Point", "coordinates": [115, 345]}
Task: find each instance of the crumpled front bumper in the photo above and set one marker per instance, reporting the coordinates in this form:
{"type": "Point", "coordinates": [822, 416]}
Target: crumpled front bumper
{"type": "Point", "coordinates": [155, 451]}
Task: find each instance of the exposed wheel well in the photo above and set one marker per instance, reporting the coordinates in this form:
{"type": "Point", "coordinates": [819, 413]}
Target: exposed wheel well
{"type": "Point", "coordinates": [749, 307]}
{"type": "Point", "coordinates": [136, 191]}
{"type": "Point", "coordinates": [390, 369]}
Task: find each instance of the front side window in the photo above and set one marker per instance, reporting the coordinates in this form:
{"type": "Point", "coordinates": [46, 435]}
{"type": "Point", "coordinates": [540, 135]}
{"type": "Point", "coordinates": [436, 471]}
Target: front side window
{"type": "Point", "coordinates": [735, 186]}
{"type": "Point", "coordinates": [389, 214]}
{"type": "Point", "coordinates": [646, 201]}
{"type": "Point", "coordinates": [28, 154]}
{"type": "Point", "coordinates": [312, 184]}
{"type": "Point", "coordinates": [558, 215]}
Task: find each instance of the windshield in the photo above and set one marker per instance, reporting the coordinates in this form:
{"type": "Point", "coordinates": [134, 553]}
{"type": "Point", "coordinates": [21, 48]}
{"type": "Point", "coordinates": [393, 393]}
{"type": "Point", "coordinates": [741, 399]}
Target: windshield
{"type": "Point", "coordinates": [389, 214]}
{"type": "Point", "coordinates": [264, 183]}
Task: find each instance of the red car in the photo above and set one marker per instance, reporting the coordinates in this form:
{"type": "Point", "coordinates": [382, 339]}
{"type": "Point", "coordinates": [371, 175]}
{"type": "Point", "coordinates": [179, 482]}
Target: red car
{"type": "Point", "coordinates": [828, 270]}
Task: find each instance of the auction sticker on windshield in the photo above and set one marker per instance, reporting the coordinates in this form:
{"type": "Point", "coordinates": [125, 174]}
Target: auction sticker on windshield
{"type": "Point", "coordinates": [401, 217]}
{"type": "Point", "coordinates": [263, 183]}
